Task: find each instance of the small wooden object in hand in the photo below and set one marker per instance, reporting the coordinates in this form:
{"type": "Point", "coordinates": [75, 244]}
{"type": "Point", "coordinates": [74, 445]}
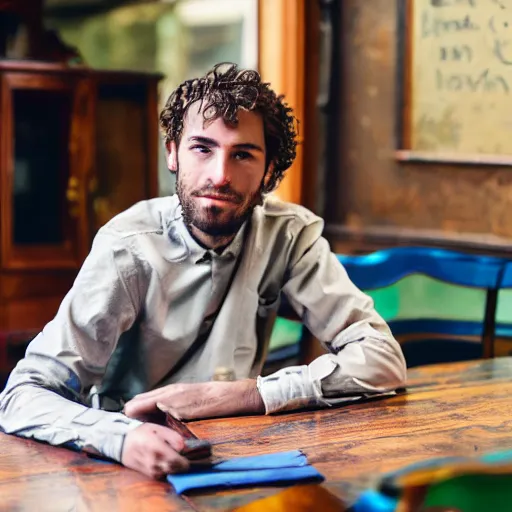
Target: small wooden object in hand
{"type": "Point", "coordinates": [195, 448]}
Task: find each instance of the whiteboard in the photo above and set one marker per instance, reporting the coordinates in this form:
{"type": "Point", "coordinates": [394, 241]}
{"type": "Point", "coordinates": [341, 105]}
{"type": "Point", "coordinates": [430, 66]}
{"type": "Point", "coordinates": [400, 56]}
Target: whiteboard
{"type": "Point", "coordinates": [460, 97]}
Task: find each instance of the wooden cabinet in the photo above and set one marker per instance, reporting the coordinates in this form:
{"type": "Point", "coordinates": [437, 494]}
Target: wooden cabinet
{"type": "Point", "coordinates": [77, 146]}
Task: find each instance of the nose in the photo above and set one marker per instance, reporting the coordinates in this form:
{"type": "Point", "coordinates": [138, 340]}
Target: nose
{"type": "Point", "coordinates": [220, 169]}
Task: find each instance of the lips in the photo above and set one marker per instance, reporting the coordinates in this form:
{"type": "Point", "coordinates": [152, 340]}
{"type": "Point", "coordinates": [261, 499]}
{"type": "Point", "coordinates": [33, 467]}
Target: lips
{"type": "Point", "coordinates": [226, 199]}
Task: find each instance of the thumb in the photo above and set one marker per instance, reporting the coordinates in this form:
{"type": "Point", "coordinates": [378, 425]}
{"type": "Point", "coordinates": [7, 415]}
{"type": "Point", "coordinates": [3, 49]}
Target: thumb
{"type": "Point", "coordinates": [168, 410]}
{"type": "Point", "coordinates": [136, 408]}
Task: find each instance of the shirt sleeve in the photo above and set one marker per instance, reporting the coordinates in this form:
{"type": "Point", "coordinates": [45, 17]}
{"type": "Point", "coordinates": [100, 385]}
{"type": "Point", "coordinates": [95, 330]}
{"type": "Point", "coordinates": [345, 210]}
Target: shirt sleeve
{"type": "Point", "coordinates": [362, 356]}
{"type": "Point", "coordinates": [46, 395]}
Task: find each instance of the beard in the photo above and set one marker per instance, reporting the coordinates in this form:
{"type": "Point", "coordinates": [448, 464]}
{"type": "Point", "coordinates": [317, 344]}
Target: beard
{"type": "Point", "coordinates": [214, 220]}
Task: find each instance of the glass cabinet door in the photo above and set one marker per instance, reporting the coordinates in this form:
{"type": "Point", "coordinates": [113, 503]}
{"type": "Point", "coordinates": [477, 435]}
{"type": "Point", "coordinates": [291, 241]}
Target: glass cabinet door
{"type": "Point", "coordinates": [125, 141]}
{"type": "Point", "coordinates": [41, 179]}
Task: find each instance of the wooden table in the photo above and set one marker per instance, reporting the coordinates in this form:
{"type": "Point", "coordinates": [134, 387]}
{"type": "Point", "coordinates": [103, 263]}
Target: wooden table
{"type": "Point", "coordinates": [455, 409]}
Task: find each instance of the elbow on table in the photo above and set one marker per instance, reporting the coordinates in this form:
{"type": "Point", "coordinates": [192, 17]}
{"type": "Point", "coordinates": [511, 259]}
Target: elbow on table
{"type": "Point", "coordinates": [21, 397]}
{"type": "Point", "coordinates": [8, 409]}
{"type": "Point", "coordinates": [15, 401]}
{"type": "Point", "coordinates": [390, 370]}
{"type": "Point", "coordinates": [380, 364]}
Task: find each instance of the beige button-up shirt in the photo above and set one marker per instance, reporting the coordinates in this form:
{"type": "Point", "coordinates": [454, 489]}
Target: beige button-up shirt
{"type": "Point", "coordinates": [147, 291]}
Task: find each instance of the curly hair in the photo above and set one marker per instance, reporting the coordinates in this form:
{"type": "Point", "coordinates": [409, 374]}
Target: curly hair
{"type": "Point", "coordinates": [223, 91]}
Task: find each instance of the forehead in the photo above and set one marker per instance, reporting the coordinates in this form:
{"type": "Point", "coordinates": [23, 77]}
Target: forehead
{"type": "Point", "coordinates": [249, 127]}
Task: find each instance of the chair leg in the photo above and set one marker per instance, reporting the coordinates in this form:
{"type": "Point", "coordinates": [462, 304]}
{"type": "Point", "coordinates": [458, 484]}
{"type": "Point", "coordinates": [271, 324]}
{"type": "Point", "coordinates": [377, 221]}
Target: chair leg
{"type": "Point", "coordinates": [490, 323]}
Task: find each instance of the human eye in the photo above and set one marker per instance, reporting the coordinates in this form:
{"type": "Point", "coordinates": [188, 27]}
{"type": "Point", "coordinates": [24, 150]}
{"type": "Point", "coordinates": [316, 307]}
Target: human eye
{"type": "Point", "coordinates": [242, 155]}
{"type": "Point", "coordinates": [200, 148]}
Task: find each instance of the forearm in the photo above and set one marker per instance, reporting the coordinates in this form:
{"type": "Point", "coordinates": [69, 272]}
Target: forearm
{"type": "Point", "coordinates": [251, 398]}
{"type": "Point", "coordinates": [29, 407]}
{"type": "Point", "coordinates": [371, 365]}
{"type": "Point", "coordinates": [199, 400]}
{"type": "Point", "coordinates": [363, 357]}
{"type": "Point", "coordinates": [232, 399]}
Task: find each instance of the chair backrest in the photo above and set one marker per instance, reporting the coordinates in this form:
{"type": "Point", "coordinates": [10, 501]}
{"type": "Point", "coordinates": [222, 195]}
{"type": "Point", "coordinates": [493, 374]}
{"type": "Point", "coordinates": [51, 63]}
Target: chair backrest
{"type": "Point", "coordinates": [506, 281]}
{"type": "Point", "coordinates": [436, 339]}
{"type": "Point", "coordinates": [503, 316]}
{"type": "Point", "coordinates": [386, 267]}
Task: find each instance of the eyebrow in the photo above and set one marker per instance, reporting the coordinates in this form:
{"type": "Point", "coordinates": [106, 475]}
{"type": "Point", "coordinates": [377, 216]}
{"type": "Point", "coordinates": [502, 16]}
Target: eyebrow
{"type": "Point", "coordinates": [214, 144]}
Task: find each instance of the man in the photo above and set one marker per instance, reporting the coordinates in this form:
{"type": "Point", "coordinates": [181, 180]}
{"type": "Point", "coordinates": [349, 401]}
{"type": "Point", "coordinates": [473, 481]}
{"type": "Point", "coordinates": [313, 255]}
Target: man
{"type": "Point", "coordinates": [176, 287]}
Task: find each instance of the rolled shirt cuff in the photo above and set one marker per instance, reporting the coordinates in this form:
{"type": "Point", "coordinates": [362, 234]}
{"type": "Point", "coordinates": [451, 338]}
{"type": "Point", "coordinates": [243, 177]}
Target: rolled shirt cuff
{"type": "Point", "coordinates": [295, 387]}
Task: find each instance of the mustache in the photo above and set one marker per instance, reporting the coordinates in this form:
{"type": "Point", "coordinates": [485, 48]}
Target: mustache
{"type": "Point", "coordinates": [225, 193]}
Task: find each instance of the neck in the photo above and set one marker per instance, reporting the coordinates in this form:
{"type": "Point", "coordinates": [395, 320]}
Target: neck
{"type": "Point", "coordinates": [210, 241]}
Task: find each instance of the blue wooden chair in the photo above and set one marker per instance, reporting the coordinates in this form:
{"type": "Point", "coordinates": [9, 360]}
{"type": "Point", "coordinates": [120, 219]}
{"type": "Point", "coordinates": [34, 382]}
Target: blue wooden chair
{"type": "Point", "coordinates": [433, 339]}
{"type": "Point", "coordinates": [504, 311]}
{"type": "Point", "coordinates": [427, 336]}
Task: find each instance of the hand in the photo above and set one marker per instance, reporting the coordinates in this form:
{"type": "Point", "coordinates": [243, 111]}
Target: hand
{"type": "Point", "coordinates": [201, 400]}
{"type": "Point", "coordinates": [154, 450]}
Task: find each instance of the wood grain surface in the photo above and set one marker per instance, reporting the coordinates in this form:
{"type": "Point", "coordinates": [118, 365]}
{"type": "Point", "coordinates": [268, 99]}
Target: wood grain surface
{"type": "Point", "coordinates": [454, 409]}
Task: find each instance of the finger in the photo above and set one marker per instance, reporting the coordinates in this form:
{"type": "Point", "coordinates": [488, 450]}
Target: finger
{"type": "Point", "coordinates": [176, 464]}
{"type": "Point", "coordinates": [163, 407]}
{"type": "Point", "coordinates": [165, 456]}
{"type": "Point", "coordinates": [158, 458]}
{"type": "Point", "coordinates": [170, 437]}
{"type": "Point", "coordinates": [169, 410]}
{"type": "Point", "coordinates": [135, 408]}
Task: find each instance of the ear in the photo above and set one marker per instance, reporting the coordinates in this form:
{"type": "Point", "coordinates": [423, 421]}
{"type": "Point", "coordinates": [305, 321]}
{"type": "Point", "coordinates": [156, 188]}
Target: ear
{"type": "Point", "coordinates": [172, 156]}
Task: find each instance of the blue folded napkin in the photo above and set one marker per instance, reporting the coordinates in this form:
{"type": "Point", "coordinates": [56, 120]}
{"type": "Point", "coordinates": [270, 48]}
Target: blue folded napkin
{"type": "Point", "coordinates": [273, 468]}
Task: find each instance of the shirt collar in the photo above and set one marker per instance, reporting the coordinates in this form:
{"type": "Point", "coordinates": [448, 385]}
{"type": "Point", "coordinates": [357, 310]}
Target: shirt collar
{"type": "Point", "coordinates": [185, 245]}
